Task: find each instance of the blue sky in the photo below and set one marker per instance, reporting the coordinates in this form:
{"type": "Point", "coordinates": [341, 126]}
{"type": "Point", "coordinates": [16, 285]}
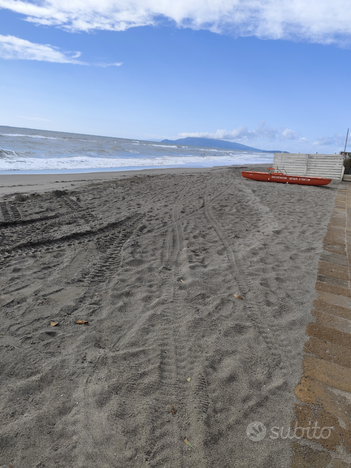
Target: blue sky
{"type": "Point", "coordinates": [273, 74]}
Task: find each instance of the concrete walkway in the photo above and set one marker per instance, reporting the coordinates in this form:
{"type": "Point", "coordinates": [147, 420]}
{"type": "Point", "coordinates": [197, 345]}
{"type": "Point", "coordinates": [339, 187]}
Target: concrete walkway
{"type": "Point", "coordinates": [324, 392]}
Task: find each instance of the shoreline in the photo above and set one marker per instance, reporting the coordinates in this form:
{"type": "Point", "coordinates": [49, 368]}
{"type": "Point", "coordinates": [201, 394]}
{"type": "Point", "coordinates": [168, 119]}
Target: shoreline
{"type": "Point", "coordinates": [42, 182]}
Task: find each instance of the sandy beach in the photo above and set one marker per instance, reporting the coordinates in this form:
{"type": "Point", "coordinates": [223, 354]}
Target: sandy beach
{"type": "Point", "coordinates": [196, 286]}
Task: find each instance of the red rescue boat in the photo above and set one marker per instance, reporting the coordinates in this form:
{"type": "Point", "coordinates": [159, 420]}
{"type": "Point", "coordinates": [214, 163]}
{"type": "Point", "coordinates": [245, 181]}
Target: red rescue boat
{"type": "Point", "coordinates": [273, 176]}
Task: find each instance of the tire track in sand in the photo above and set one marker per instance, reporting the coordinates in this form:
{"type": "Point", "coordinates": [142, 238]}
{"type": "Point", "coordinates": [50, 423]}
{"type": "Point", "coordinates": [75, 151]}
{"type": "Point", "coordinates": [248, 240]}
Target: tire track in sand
{"type": "Point", "coordinates": [254, 306]}
{"type": "Point", "coordinates": [87, 216]}
{"type": "Point", "coordinates": [175, 359]}
{"type": "Point", "coordinates": [157, 443]}
{"type": "Point", "coordinates": [5, 212]}
{"type": "Point", "coordinates": [176, 356]}
{"type": "Point", "coordinates": [245, 288]}
{"type": "Point", "coordinates": [199, 399]}
{"type": "Point", "coordinates": [162, 432]}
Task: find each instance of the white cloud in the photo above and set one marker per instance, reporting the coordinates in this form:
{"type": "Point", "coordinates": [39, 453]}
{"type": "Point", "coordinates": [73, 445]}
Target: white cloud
{"type": "Point", "coordinates": [336, 140]}
{"type": "Point", "coordinates": [239, 133]}
{"type": "Point", "coordinates": [15, 48]}
{"type": "Point", "coordinates": [320, 21]}
{"type": "Point", "coordinates": [263, 131]}
{"type": "Point", "coordinates": [289, 134]}
{"type": "Point", "coordinates": [12, 47]}
{"type": "Point", "coordinates": [117, 64]}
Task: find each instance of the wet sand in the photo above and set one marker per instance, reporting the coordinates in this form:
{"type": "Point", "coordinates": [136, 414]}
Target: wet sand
{"type": "Point", "coordinates": [197, 286]}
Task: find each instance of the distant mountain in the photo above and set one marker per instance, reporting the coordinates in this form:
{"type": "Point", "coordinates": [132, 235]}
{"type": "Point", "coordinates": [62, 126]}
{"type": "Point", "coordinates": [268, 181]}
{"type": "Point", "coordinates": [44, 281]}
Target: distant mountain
{"type": "Point", "coordinates": [211, 143]}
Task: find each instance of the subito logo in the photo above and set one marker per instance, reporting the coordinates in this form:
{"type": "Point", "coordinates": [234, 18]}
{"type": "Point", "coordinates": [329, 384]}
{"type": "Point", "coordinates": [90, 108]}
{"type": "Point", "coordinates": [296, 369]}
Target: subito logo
{"type": "Point", "coordinates": [256, 431]}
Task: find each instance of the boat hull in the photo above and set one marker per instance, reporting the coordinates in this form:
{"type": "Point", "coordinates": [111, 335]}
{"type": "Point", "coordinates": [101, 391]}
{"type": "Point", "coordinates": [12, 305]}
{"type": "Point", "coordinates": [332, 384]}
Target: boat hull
{"type": "Point", "coordinates": [285, 179]}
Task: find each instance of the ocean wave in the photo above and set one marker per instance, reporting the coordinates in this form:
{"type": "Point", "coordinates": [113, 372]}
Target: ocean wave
{"type": "Point", "coordinates": [28, 136]}
{"type": "Point", "coordinates": [8, 153]}
{"type": "Point", "coordinates": [166, 146]}
{"type": "Point", "coordinates": [83, 162]}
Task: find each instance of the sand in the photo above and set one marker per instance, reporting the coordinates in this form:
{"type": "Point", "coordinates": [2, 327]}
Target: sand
{"type": "Point", "coordinates": [153, 261]}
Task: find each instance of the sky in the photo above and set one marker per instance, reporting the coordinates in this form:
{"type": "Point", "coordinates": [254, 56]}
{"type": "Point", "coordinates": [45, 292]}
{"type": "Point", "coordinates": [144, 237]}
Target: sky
{"type": "Point", "coordinates": [273, 74]}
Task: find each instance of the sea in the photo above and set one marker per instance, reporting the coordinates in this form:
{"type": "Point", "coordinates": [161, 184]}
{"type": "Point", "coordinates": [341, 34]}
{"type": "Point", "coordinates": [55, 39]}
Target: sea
{"type": "Point", "coordinates": [24, 150]}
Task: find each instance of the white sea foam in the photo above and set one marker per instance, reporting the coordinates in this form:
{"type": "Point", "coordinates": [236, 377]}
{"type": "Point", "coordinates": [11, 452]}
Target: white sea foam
{"type": "Point", "coordinates": [28, 136]}
{"type": "Point", "coordinates": [166, 146]}
{"type": "Point", "coordinates": [82, 162]}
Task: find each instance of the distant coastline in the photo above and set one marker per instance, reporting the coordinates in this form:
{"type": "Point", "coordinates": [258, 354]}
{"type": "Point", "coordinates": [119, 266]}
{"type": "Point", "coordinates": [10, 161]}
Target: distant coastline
{"type": "Point", "coordinates": [222, 144]}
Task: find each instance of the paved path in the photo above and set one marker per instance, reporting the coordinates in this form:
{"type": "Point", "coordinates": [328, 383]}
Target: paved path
{"type": "Point", "coordinates": [324, 392]}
